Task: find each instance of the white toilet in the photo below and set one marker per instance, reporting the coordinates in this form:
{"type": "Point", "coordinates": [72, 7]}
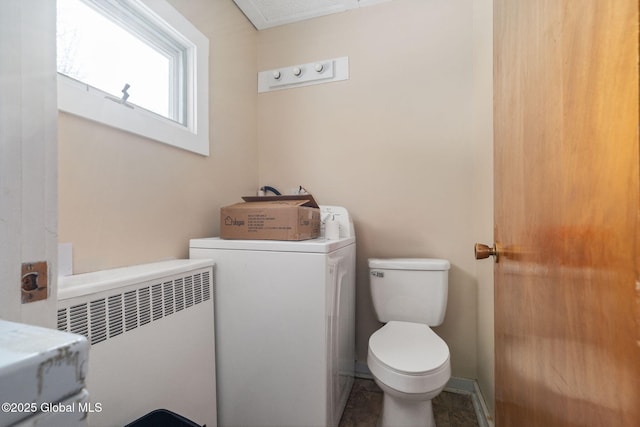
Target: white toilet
{"type": "Point", "coordinates": [409, 362]}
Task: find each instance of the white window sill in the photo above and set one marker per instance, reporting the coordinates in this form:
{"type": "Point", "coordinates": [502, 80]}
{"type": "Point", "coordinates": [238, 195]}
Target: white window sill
{"type": "Point", "coordinates": [79, 99]}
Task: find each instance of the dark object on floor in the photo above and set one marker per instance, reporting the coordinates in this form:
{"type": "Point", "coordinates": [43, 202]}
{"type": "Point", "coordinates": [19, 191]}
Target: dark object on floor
{"type": "Point", "coordinates": [164, 418]}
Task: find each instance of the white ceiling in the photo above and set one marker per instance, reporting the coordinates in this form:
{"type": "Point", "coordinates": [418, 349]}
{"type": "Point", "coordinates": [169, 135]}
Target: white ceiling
{"type": "Point", "coordinates": [271, 13]}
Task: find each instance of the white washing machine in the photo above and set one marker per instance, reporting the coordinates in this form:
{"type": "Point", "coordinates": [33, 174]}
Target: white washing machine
{"type": "Point", "coordinates": [285, 327]}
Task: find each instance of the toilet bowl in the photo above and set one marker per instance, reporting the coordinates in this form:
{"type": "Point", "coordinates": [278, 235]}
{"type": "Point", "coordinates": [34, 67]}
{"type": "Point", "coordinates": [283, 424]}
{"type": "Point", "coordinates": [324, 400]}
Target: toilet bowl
{"type": "Point", "coordinates": [407, 359]}
{"type": "Point", "coordinates": [410, 363]}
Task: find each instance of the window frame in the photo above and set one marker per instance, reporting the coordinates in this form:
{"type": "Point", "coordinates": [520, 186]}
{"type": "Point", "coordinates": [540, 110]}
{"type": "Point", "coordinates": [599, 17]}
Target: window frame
{"type": "Point", "coordinates": [81, 99]}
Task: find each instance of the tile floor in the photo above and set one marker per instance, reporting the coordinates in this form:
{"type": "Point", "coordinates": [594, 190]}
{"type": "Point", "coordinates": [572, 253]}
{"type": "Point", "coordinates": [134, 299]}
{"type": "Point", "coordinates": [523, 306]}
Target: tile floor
{"type": "Point", "coordinates": [365, 403]}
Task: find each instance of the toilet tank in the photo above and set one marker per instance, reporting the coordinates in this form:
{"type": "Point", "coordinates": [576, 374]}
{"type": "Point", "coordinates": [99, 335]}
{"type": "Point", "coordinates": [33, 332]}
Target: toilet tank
{"type": "Point", "coordinates": [409, 289]}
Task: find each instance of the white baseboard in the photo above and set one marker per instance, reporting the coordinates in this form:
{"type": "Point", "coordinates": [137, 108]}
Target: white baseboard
{"type": "Point", "coordinates": [485, 419]}
{"type": "Point", "coordinates": [470, 387]}
{"type": "Point", "coordinates": [362, 371]}
{"type": "Point", "coordinates": [455, 385]}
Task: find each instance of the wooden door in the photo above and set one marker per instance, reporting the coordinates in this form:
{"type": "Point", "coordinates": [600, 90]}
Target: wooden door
{"type": "Point", "coordinates": [567, 302]}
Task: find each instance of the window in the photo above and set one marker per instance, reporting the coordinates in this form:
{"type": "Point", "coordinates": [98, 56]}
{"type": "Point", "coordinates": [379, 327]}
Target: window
{"type": "Point", "coordinates": [137, 65]}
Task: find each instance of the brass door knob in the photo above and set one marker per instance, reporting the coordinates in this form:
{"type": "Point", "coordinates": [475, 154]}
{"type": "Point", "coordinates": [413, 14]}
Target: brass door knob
{"type": "Point", "coordinates": [483, 251]}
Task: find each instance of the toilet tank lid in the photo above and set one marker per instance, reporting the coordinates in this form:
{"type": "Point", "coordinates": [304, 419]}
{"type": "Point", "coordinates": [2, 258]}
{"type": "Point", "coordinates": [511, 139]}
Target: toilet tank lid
{"type": "Point", "coordinates": [409, 264]}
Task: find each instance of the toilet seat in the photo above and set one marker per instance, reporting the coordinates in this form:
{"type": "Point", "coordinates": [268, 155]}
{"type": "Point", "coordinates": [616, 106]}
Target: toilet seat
{"type": "Point", "coordinates": [409, 357]}
{"type": "Point", "coordinates": [409, 348]}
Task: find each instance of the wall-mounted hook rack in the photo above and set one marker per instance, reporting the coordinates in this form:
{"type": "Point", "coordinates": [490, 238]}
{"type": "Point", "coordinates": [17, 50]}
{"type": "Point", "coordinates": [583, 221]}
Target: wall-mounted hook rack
{"type": "Point", "coordinates": [329, 70]}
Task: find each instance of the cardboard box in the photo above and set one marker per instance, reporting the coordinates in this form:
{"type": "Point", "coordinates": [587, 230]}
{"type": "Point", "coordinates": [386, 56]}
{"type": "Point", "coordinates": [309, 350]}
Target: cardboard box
{"type": "Point", "coordinates": [271, 218]}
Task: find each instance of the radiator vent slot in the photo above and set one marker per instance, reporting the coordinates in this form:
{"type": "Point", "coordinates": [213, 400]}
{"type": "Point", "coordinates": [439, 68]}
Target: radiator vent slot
{"type": "Point", "coordinates": [206, 281]}
{"type": "Point", "coordinates": [107, 316]}
{"type": "Point", "coordinates": [130, 310]}
{"type": "Point", "coordinates": [144, 307]}
{"type": "Point", "coordinates": [197, 289]}
{"type": "Point", "coordinates": [179, 287]}
{"type": "Point", "coordinates": [188, 291]}
{"type": "Point", "coordinates": [168, 298]}
{"type": "Point", "coordinates": [98, 309]}
{"type": "Point", "coordinates": [156, 298]}
{"type": "Point", "coordinates": [115, 315]}
{"type": "Point", "coordinates": [62, 319]}
{"type": "Point", "coordinates": [78, 320]}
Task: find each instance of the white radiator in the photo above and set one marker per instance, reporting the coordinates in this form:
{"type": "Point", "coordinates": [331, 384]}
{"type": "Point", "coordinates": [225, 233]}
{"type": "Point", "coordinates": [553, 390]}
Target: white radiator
{"type": "Point", "coordinates": [151, 329]}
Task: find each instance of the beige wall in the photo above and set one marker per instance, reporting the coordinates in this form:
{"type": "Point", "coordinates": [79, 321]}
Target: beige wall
{"type": "Point", "coordinates": [404, 144]}
{"type": "Point", "coordinates": [394, 143]}
{"type": "Point", "coordinates": [483, 187]}
{"type": "Point", "coordinates": [126, 200]}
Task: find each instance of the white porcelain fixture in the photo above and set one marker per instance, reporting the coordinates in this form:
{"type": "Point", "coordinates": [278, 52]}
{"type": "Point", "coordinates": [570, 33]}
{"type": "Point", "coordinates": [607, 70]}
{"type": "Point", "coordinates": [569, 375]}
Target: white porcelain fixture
{"type": "Point", "coordinates": [408, 360]}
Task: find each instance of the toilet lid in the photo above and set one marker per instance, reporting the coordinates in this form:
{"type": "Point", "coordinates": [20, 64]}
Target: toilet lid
{"type": "Point", "coordinates": [409, 348]}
